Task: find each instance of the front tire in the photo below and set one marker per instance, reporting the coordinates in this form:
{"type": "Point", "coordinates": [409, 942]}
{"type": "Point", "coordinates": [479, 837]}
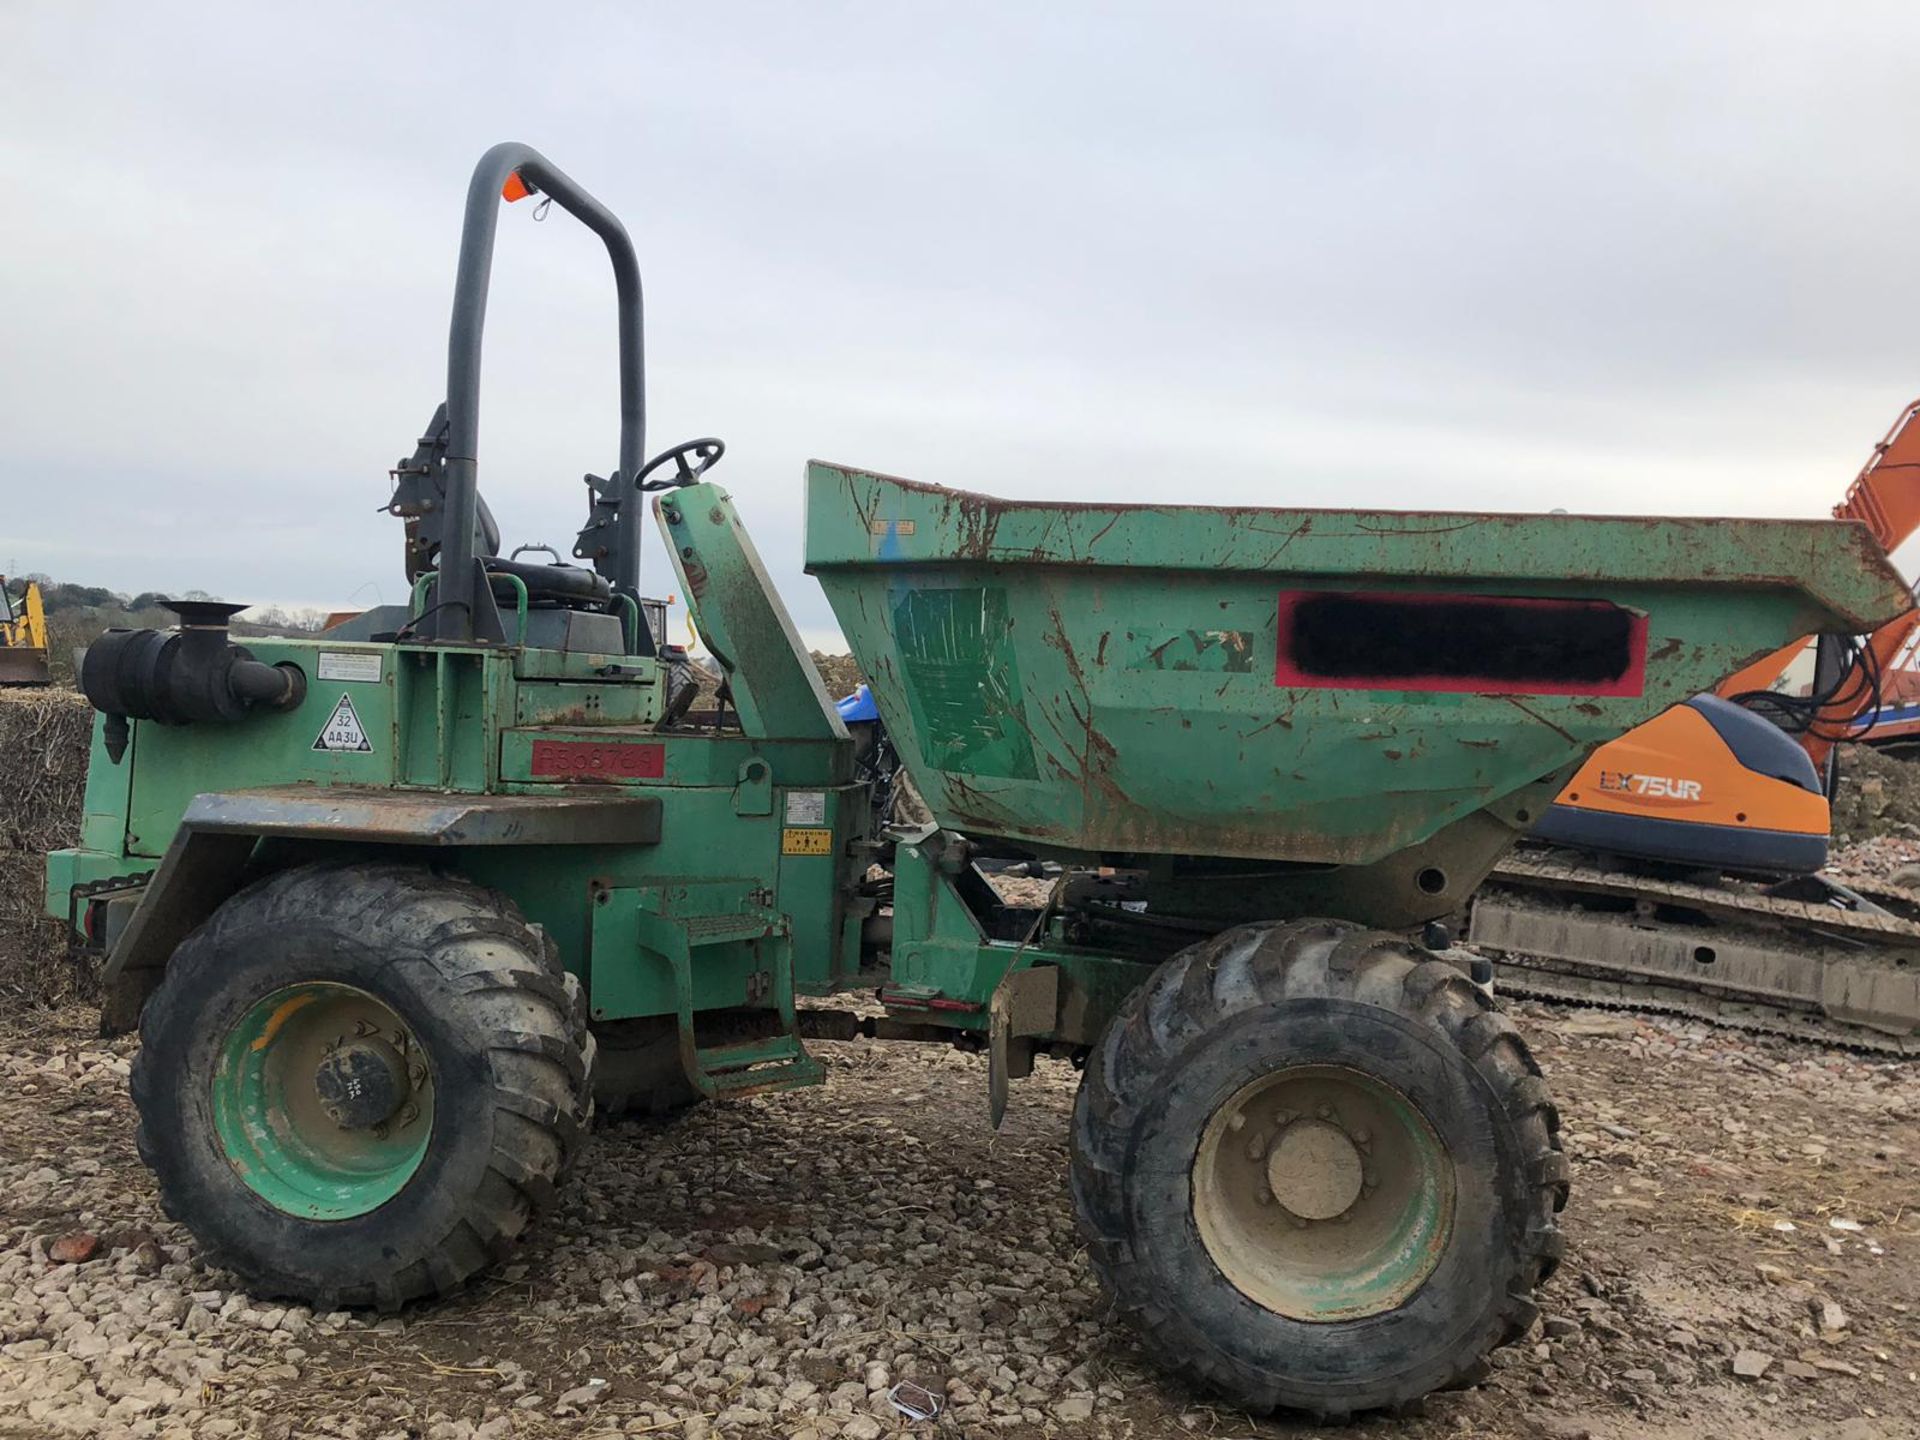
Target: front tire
{"type": "Point", "coordinates": [358, 1083]}
{"type": "Point", "coordinates": [1317, 1169]}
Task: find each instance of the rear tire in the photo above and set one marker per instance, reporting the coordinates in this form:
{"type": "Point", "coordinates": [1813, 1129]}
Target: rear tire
{"type": "Point", "coordinates": [1459, 1143]}
{"type": "Point", "coordinates": [639, 1071]}
{"type": "Point", "coordinates": [342, 1206]}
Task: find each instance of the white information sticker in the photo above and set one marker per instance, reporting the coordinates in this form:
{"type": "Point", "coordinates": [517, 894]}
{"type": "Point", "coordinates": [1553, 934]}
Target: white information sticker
{"type": "Point", "coordinates": [343, 730]}
{"type": "Point", "coordinates": [806, 807]}
{"type": "Point", "coordinates": [350, 665]}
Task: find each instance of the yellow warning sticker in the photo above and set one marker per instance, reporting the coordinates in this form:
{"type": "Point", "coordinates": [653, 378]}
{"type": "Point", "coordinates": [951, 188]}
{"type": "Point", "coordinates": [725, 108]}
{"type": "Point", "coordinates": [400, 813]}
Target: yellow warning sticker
{"type": "Point", "coordinates": [806, 842]}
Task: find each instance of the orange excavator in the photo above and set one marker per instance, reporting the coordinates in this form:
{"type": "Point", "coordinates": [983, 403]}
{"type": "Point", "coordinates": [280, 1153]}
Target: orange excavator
{"type": "Point", "coordinates": [1679, 867]}
{"type": "Point", "coordinates": [1738, 780]}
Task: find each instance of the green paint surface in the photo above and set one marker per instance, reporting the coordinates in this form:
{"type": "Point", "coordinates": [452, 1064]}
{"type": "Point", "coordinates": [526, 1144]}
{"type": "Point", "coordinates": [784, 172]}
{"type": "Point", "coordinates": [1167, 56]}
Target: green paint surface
{"type": "Point", "coordinates": [1213, 652]}
{"type": "Point", "coordinates": [963, 680]}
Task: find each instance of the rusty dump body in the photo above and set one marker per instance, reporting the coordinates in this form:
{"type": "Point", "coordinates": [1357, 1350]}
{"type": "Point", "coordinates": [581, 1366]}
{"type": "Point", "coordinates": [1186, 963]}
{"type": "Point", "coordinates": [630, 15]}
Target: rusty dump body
{"type": "Point", "coordinates": [1290, 691]}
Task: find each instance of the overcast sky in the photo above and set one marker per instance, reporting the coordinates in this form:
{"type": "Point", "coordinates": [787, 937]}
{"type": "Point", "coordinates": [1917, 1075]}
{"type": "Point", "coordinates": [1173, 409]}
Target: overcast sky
{"type": "Point", "coordinates": [1612, 257]}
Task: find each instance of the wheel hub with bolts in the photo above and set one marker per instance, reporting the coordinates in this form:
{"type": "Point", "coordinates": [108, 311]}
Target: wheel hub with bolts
{"type": "Point", "coordinates": [1314, 1170]}
{"type": "Point", "coordinates": [361, 1083]}
{"type": "Point", "coordinates": [323, 1100]}
{"type": "Point", "coordinates": [1322, 1193]}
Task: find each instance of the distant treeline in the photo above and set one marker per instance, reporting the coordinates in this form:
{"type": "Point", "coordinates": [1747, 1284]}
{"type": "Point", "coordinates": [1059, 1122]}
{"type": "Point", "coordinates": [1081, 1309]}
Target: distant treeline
{"type": "Point", "coordinates": [76, 614]}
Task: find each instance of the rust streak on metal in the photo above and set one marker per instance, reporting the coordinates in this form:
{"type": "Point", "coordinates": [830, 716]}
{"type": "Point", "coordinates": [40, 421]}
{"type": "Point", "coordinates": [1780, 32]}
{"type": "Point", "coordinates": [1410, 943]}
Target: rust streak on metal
{"type": "Point", "coordinates": [1097, 753]}
{"type": "Point", "coordinates": [1535, 715]}
{"type": "Point", "coordinates": [1459, 523]}
{"type": "Point", "coordinates": [1101, 532]}
{"type": "Point", "coordinates": [1284, 720]}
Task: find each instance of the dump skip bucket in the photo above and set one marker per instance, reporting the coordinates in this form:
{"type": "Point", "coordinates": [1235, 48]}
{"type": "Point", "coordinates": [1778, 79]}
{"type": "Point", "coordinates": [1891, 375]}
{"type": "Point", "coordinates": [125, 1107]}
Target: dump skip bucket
{"type": "Point", "coordinates": [1323, 687]}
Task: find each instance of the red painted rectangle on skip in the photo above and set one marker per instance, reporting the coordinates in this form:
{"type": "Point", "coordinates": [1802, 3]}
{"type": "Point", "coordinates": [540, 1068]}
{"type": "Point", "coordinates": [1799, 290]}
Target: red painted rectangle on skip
{"type": "Point", "coordinates": [598, 760]}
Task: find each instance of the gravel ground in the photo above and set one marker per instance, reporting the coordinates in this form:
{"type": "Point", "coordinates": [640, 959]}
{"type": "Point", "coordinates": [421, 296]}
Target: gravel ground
{"type": "Point", "coordinates": [1880, 858]}
{"type": "Point", "coordinates": [773, 1266]}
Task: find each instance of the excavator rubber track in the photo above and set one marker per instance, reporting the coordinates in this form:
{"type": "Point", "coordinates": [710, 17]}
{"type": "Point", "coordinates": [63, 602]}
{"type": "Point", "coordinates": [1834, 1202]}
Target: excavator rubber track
{"type": "Point", "coordinates": [1531, 981]}
{"type": "Point", "coordinates": [1842, 970]}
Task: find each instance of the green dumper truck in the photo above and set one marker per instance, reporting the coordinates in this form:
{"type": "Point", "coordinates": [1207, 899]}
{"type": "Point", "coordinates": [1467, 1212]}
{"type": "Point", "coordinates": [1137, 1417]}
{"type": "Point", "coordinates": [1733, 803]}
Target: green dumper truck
{"type": "Point", "coordinates": [393, 905]}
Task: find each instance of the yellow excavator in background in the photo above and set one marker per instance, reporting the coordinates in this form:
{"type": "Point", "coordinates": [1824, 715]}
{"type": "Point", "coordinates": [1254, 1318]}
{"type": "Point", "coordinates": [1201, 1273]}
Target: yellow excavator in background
{"type": "Point", "coordinates": [1680, 868]}
{"type": "Point", "coordinates": [23, 637]}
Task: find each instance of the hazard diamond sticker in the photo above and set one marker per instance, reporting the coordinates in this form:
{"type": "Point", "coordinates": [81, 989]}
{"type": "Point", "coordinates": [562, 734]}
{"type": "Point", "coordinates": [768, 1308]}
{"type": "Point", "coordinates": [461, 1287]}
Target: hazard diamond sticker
{"type": "Point", "coordinates": [343, 730]}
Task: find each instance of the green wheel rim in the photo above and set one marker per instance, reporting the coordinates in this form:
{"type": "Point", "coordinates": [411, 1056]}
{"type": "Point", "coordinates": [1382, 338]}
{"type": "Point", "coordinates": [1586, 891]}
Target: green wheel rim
{"type": "Point", "coordinates": [323, 1101]}
{"type": "Point", "coordinates": [1322, 1193]}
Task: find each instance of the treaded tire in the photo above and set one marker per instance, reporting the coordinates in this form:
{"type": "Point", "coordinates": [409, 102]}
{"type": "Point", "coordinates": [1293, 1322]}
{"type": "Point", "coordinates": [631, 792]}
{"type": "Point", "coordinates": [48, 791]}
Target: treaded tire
{"type": "Point", "coordinates": [682, 689]}
{"type": "Point", "coordinates": [639, 1072]}
{"type": "Point", "coordinates": [1263, 997]}
{"type": "Point", "coordinates": [482, 991]}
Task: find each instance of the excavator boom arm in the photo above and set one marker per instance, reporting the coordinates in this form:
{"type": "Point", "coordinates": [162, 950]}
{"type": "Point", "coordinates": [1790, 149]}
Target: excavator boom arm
{"type": "Point", "coordinates": [1885, 497]}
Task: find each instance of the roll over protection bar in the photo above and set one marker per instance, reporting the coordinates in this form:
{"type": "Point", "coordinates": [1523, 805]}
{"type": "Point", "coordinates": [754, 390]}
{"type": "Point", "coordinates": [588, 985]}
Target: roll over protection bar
{"type": "Point", "coordinates": [463, 609]}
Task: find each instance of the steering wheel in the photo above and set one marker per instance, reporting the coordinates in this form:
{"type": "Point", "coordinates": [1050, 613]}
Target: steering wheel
{"type": "Point", "coordinates": [706, 451]}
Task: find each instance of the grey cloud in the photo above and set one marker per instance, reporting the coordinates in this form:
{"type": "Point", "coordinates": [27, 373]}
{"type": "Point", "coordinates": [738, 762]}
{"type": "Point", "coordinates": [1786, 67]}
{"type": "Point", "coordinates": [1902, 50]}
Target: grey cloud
{"type": "Point", "coordinates": [1619, 258]}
